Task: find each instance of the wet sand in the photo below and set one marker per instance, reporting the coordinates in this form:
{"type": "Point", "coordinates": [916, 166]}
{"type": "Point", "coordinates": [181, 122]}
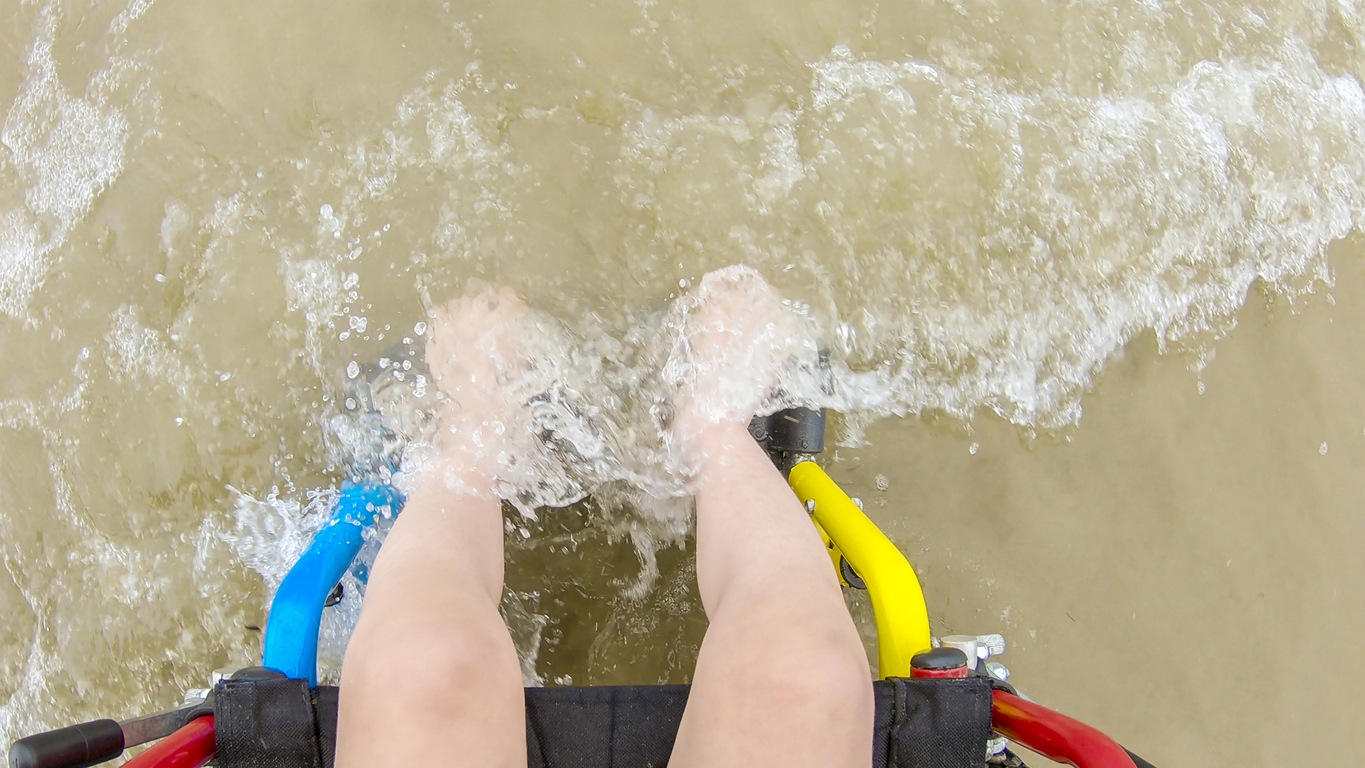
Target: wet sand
{"type": "Point", "coordinates": [1183, 570]}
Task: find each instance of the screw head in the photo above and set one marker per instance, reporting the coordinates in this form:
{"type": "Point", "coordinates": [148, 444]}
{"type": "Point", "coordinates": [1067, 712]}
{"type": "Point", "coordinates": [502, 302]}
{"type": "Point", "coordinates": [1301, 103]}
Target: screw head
{"type": "Point", "coordinates": [998, 671]}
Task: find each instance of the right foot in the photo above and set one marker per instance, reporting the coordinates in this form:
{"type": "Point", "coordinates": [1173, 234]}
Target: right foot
{"type": "Point", "coordinates": [738, 338]}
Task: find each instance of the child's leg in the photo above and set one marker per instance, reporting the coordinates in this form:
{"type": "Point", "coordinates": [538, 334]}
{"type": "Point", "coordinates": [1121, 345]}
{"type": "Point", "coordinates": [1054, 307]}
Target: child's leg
{"type": "Point", "coordinates": [782, 678]}
{"type": "Point", "coordinates": [431, 676]}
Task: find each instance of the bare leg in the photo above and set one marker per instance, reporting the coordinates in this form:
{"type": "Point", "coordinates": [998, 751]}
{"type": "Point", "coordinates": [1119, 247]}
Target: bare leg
{"type": "Point", "coordinates": [431, 676]}
{"type": "Point", "coordinates": [782, 679]}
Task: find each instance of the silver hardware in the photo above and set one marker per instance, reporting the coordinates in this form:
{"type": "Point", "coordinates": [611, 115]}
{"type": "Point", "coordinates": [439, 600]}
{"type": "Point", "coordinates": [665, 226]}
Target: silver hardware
{"type": "Point", "coordinates": [966, 644]}
{"type": "Point", "coordinates": [993, 644]}
{"type": "Point", "coordinates": [141, 730]}
{"type": "Point", "coordinates": [221, 673]}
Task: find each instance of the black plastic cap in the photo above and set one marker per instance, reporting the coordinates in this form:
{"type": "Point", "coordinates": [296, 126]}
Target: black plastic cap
{"type": "Point", "coordinates": [257, 673]}
{"type": "Point", "coordinates": [797, 430]}
{"type": "Point", "coordinates": [75, 746]}
{"type": "Point", "coordinates": [939, 659]}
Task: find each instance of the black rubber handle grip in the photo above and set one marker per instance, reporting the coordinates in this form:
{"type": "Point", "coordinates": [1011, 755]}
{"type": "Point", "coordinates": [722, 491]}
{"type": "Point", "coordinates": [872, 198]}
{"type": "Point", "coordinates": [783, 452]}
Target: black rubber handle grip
{"type": "Point", "coordinates": [75, 746]}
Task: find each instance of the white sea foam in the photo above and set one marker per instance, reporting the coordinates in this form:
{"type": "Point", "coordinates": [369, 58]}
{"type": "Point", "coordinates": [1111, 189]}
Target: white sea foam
{"type": "Point", "coordinates": [985, 245]}
{"type": "Point", "coordinates": [63, 151]}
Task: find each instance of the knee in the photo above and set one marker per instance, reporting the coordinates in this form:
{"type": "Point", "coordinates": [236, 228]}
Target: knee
{"type": "Point", "coordinates": [432, 669]}
{"type": "Point", "coordinates": [826, 677]}
{"type": "Point", "coordinates": [837, 673]}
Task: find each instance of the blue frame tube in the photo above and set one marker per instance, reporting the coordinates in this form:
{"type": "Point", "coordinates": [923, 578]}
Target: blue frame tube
{"type": "Point", "coordinates": [291, 632]}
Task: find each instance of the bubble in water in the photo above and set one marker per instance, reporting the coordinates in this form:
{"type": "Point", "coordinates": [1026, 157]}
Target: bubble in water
{"type": "Point", "coordinates": [883, 482]}
{"type": "Point", "coordinates": [419, 329]}
{"type": "Point", "coordinates": [1322, 449]}
{"type": "Point", "coordinates": [973, 448]}
{"type": "Point", "coordinates": [352, 369]}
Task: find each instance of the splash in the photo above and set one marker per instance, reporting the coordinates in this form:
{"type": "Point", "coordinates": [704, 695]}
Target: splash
{"type": "Point", "coordinates": [63, 151]}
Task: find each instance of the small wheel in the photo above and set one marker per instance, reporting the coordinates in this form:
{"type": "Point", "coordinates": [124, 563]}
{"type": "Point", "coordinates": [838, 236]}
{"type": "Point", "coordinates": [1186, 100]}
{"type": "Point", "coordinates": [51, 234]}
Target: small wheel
{"type": "Point", "coordinates": [851, 576]}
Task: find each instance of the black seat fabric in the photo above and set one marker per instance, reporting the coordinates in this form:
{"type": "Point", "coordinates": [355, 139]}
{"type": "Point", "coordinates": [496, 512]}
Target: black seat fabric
{"type": "Point", "coordinates": [919, 724]}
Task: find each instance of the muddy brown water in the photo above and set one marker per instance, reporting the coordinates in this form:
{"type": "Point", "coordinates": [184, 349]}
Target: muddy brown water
{"type": "Point", "coordinates": [1088, 275]}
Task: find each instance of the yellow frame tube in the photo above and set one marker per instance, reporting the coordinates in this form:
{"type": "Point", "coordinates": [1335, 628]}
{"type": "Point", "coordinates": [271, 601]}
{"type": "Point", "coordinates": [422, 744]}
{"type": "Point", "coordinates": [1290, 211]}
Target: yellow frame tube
{"type": "Point", "coordinates": [897, 600]}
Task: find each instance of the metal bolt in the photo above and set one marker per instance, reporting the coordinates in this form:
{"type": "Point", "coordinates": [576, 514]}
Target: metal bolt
{"type": "Point", "coordinates": [998, 671]}
{"type": "Point", "coordinates": [966, 644]}
{"type": "Point", "coordinates": [220, 673]}
{"type": "Point", "coordinates": [993, 644]}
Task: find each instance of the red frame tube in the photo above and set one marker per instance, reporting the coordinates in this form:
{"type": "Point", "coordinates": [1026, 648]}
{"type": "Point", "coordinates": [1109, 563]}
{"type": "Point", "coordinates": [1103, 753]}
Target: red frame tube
{"type": "Point", "coordinates": [190, 747]}
{"type": "Point", "coordinates": [1054, 735]}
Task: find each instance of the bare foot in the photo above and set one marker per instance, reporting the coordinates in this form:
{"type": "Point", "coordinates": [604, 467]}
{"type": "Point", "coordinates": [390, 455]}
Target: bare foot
{"type": "Point", "coordinates": [476, 359]}
{"type": "Point", "coordinates": [738, 338]}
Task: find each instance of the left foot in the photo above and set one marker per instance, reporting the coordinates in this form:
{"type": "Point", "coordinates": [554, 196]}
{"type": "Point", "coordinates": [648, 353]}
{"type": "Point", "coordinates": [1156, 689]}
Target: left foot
{"type": "Point", "coordinates": [476, 358]}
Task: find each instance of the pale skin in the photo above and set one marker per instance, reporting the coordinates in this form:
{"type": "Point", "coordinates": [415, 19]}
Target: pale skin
{"type": "Point", "coordinates": [431, 676]}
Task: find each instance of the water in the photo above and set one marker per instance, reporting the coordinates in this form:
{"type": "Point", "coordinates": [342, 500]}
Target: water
{"type": "Point", "coordinates": [1024, 231]}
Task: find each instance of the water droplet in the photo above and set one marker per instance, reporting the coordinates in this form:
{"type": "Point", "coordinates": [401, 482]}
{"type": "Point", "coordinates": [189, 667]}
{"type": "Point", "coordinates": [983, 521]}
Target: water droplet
{"type": "Point", "coordinates": [224, 376]}
{"type": "Point", "coordinates": [352, 369]}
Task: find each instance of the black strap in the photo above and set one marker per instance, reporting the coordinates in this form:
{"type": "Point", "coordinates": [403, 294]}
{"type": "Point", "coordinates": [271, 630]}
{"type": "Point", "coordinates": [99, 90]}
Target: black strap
{"type": "Point", "coordinates": [918, 724]}
{"type": "Point", "coordinates": [266, 724]}
{"type": "Point", "coordinates": [939, 723]}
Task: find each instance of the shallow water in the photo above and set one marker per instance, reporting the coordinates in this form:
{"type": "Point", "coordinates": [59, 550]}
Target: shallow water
{"type": "Point", "coordinates": [983, 210]}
